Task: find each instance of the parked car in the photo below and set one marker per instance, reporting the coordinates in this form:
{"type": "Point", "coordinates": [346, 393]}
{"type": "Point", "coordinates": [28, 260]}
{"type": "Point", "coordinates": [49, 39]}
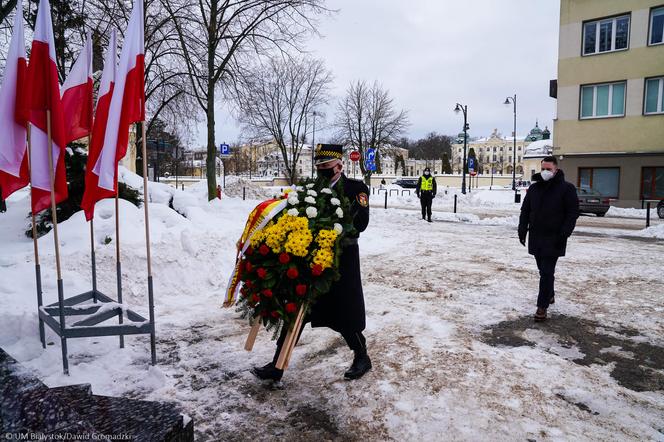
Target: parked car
{"type": "Point", "coordinates": [660, 209]}
{"type": "Point", "coordinates": [406, 183]}
{"type": "Point", "coordinates": [591, 201]}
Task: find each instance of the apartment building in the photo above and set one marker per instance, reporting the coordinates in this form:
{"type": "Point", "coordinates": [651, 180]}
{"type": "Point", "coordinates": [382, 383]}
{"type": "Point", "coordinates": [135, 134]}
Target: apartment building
{"type": "Point", "coordinates": [609, 130]}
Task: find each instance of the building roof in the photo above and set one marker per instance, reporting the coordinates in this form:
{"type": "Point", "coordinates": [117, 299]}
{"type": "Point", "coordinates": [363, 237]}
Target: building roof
{"type": "Point", "coordinates": [540, 148]}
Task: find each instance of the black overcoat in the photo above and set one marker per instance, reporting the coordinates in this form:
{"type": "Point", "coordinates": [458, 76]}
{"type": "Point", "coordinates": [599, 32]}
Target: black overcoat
{"type": "Point", "coordinates": [548, 214]}
{"type": "Point", "coordinates": [342, 308]}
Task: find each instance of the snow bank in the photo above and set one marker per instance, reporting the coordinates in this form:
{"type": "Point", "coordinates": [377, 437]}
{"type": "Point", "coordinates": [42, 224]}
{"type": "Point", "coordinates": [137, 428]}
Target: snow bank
{"type": "Point", "coordinates": [622, 212]}
{"type": "Point", "coordinates": [652, 232]}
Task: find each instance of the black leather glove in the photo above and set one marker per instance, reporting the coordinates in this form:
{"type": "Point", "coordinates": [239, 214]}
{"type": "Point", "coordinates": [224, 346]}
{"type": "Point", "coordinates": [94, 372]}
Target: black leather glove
{"type": "Point", "coordinates": [522, 239]}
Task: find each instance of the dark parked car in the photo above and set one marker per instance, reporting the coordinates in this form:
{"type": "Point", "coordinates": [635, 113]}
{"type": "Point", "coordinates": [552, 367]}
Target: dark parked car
{"type": "Point", "coordinates": [406, 183]}
{"type": "Point", "coordinates": [591, 201]}
{"type": "Point", "coordinates": [660, 209]}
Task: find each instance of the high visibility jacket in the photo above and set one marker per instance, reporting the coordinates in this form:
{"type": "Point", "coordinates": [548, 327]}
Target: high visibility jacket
{"type": "Point", "coordinates": [427, 184]}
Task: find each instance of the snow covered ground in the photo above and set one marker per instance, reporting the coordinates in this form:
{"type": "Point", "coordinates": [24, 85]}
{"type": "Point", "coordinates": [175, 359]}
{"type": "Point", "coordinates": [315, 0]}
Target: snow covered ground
{"type": "Point", "coordinates": [437, 296]}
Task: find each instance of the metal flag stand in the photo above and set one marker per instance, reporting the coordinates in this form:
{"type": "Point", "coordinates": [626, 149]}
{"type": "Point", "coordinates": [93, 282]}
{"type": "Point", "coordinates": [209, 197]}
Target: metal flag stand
{"type": "Point", "coordinates": [91, 315]}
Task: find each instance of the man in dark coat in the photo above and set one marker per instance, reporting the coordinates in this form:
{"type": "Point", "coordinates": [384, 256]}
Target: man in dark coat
{"type": "Point", "coordinates": [426, 192]}
{"type": "Point", "coordinates": [342, 308]}
{"type": "Point", "coordinates": [549, 212]}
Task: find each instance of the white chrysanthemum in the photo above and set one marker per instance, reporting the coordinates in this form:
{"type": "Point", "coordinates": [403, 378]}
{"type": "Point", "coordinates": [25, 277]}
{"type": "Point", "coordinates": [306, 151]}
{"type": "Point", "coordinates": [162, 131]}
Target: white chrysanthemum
{"type": "Point", "coordinates": [310, 185]}
{"type": "Point", "coordinates": [335, 202]}
{"type": "Point", "coordinates": [293, 212]}
{"type": "Point", "coordinates": [312, 212]}
{"type": "Point", "coordinates": [312, 192]}
{"type": "Point", "coordinates": [293, 201]}
{"type": "Point", "coordinates": [338, 228]}
{"type": "Point", "coordinates": [339, 212]}
{"type": "Point", "coordinates": [326, 190]}
{"type": "Point", "coordinates": [310, 200]}
{"type": "Point", "coordinates": [299, 188]}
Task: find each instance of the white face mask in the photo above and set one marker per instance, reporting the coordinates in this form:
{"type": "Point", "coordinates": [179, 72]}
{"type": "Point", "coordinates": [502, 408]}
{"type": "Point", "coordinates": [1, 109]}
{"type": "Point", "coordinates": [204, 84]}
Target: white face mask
{"type": "Point", "coordinates": [547, 175]}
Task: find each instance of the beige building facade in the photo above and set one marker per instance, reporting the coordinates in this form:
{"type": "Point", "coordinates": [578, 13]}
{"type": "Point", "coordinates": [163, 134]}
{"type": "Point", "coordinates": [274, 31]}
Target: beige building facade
{"type": "Point", "coordinates": [609, 129]}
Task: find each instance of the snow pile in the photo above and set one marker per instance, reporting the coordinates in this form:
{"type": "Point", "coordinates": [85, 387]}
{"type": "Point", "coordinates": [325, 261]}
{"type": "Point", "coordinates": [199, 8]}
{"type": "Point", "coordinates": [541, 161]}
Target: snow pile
{"type": "Point", "coordinates": [499, 198]}
{"type": "Point", "coordinates": [652, 232]}
{"type": "Point", "coordinates": [622, 212]}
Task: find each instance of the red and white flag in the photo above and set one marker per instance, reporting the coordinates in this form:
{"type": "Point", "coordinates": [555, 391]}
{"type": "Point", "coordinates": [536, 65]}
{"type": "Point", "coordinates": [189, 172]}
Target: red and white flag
{"type": "Point", "coordinates": [14, 172]}
{"type": "Point", "coordinates": [77, 95]}
{"type": "Point", "coordinates": [127, 103]}
{"type": "Point", "coordinates": [45, 96]}
{"type": "Point", "coordinates": [93, 192]}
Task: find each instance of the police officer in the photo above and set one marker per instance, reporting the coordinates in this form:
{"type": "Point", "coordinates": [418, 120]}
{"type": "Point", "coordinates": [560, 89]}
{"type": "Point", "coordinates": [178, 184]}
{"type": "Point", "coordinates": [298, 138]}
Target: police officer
{"type": "Point", "coordinates": [426, 192]}
{"type": "Point", "coordinates": [342, 308]}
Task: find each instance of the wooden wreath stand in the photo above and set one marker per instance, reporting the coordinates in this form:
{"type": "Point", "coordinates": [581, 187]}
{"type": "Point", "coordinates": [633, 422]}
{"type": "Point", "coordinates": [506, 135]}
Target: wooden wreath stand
{"type": "Point", "coordinates": [289, 342]}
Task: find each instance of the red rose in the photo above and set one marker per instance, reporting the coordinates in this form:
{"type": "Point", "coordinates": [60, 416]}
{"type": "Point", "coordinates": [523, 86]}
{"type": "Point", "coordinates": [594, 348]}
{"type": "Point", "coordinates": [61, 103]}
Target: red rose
{"type": "Point", "coordinates": [249, 250]}
{"type": "Point", "coordinates": [292, 273]}
{"type": "Point", "coordinates": [301, 289]}
{"type": "Point", "coordinates": [249, 284]}
{"type": "Point", "coordinates": [291, 307]}
{"type": "Point", "coordinates": [248, 267]}
{"type": "Point", "coordinates": [317, 270]}
{"type": "Point", "coordinates": [284, 258]}
{"type": "Point", "coordinates": [255, 298]}
{"type": "Point", "coordinates": [275, 314]}
{"type": "Point", "coordinates": [267, 293]}
{"type": "Point", "coordinates": [261, 272]}
{"type": "Point", "coordinates": [263, 250]}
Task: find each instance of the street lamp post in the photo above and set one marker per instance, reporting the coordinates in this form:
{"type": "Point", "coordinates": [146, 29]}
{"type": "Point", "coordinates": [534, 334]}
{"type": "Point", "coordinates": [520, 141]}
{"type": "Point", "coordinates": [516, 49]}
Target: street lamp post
{"type": "Point", "coordinates": [464, 109]}
{"type": "Point", "coordinates": [313, 144]}
{"type": "Point", "coordinates": [507, 102]}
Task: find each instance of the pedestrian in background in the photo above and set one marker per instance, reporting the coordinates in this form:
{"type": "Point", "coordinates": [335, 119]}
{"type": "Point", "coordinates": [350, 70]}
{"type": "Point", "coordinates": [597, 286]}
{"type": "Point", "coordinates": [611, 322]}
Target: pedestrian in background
{"type": "Point", "coordinates": [426, 192]}
{"type": "Point", "coordinates": [548, 216]}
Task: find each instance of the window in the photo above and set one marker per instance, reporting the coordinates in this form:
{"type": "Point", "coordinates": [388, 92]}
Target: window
{"type": "Point", "coordinates": [652, 183]}
{"type": "Point", "coordinates": [603, 100]}
{"type": "Point", "coordinates": [611, 34]}
{"type": "Point", "coordinates": [605, 180]}
{"type": "Point", "coordinates": [654, 101]}
{"type": "Point", "coordinates": [656, 26]}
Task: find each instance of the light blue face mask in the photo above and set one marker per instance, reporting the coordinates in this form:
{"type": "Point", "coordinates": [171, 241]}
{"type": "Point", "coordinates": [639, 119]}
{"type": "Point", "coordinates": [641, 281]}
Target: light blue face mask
{"type": "Point", "coordinates": [547, 175]}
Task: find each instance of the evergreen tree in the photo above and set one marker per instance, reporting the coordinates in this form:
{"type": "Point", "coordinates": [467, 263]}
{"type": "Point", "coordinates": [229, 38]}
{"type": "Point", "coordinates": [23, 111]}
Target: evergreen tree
{"type": "Point", "coordinates": [447, 168]}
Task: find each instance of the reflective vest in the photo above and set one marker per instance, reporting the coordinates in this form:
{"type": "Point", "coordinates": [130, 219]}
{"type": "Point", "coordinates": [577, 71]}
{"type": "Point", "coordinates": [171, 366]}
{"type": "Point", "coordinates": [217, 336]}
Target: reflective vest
{"type": "Point", "coordinates": [427, 184]}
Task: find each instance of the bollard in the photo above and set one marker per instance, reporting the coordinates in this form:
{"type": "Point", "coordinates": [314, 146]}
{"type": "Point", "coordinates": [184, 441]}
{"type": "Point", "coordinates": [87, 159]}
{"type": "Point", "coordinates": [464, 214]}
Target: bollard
{"type": "Point", "coordinates": [455, 203]}
{"type": "Point", "coordinates": [386, 200]}
{"type": "Point", "coordinates": [183, 186]}
{"type": "Point", "coordinates": [648, 214]}
{"type": "Point", "coordinates": [244, 194]}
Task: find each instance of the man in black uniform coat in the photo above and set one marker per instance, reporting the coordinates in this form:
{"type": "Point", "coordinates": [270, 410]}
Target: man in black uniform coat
{"type": "Point", "coordinates": [549, 212]}
{"type": "Point", "coordinates": [342, 308]}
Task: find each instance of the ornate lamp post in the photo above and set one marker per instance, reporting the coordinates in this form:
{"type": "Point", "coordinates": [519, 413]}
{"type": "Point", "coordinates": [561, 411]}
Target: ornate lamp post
{"type": "Point", "coordinates": [512, 100]}
{"type": "Point", "coordinates": [464, 109]}
{"type": "Point", "coordinates": [313, 144]}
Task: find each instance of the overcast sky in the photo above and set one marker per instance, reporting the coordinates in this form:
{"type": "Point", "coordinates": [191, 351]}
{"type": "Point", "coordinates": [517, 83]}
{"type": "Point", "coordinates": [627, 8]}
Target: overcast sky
{"type": "Point", "coordinates": [431, 54]}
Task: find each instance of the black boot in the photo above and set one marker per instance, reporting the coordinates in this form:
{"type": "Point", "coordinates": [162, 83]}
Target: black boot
{"type": "Point", "coordinates": [361, 364]}
{"type": "Point", "coordinates": [429, 219]}
{"type": "Point", "coordinates": [268, 372]}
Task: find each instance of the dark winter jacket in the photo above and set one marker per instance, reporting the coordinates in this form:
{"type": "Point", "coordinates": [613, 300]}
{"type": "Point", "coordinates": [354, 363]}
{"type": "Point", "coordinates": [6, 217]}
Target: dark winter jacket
{"type": "Point", "coordinates": [419, 185]}
{"type": "Point", "coordinates": [342, 308]}
{"type": "Point", "coordinates": [548, 213]}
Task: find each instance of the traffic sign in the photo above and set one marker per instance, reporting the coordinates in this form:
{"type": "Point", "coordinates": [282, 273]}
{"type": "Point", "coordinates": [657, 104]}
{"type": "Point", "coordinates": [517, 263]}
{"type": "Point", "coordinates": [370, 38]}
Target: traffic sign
{"type": "Point", "coordinates": [370, 160]}
{"type": "Point", "coordinates": [471, 166]}
{"type": "Point", "coordinates": [355, 156]}
{"type": "Point", "coordinates": [224, 150]}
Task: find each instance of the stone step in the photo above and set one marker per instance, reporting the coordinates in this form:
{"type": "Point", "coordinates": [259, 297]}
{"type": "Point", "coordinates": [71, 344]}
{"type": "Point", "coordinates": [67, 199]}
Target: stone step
{"type": "Point", "coordinates": [27, 405]}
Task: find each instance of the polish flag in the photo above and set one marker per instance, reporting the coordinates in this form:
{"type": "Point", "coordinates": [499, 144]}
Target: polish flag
{"type": "Point", "coordinates": [77, 95]}
{"type": "Point", "coordinates": [93, 192]}
{"type": "Point", "coordinates": [14, 173]}
{"type": "Point", "coordinates": [127, 102]}
{"type": "Point", "coordinates": [42, 77]}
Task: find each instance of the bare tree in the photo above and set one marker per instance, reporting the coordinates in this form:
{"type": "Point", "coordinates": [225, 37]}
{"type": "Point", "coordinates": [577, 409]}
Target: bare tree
{"type": "Point", "coordinates": [367, 118]}
{"type": "Point", "coordinates": [218, 36]}
{"type": "Point", "coordinates": [277, 100]}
